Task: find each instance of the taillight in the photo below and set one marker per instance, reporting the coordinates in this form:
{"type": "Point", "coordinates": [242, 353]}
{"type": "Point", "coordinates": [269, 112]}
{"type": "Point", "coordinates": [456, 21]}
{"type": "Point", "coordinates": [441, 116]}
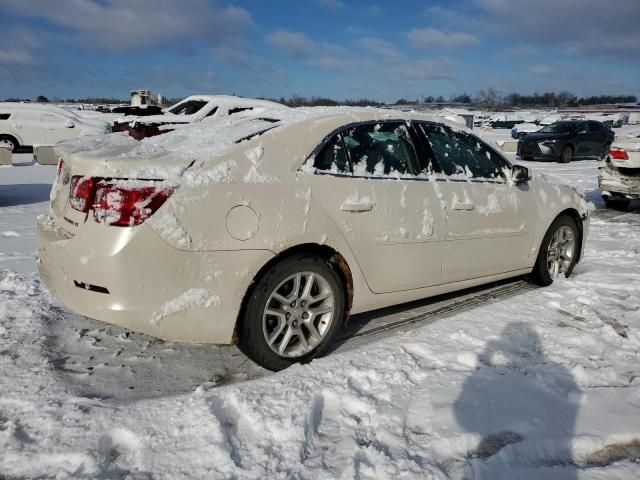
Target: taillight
{"type": "Point", "coordinates": [81, 192]}
{"type": "Point", "coordinates": [125, 206]}
{"type": "Point", "coordinates": [618, 154]}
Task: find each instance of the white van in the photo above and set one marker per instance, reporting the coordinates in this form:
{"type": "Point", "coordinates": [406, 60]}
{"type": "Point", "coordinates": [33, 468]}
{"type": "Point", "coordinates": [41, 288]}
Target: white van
{"type": "Point", "coordinates": [26, 125]}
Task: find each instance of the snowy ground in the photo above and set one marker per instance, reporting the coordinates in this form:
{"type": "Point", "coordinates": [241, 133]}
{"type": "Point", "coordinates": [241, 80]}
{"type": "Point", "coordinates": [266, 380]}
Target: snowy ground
{"type": "Point", "coordinates": [506, 382]}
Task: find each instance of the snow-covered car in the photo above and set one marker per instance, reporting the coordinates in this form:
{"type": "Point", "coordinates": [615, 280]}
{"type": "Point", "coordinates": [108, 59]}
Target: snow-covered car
{"type": "Point", "coordinates": [522, 129]}
{"type": "Point", "coordinates": [26, 125]}
{"type": "Point", "coordinates": [190, 110]}
{"type": "Point", "coordinates": [619, 176]}
{"type": "Point", "coordinates": [272, 231]}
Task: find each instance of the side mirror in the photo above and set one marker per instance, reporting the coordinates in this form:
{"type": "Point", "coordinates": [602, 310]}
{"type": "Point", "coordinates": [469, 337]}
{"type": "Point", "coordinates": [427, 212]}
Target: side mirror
{"type": "Point", "coordinates": [69, 124]}
{"type": "Point", "coordinates": [520, 174]}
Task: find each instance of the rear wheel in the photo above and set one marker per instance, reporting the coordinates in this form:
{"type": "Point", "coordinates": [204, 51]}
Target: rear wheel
{"type": "Point", "coordinates": [566, 154]}
{"type": "Point", "coordinates": [7, 141]}
{"type": "Point", "coordinates": [293, 312]}
{"type": "Point", "coordinates": [558, 252]}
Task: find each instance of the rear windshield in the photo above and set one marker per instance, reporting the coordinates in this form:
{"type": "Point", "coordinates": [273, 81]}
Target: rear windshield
{"type": "Point", "coordinates": [188, 108]}
{"type": "Point", "coordinates": [560, 127]}
{"type": "Point", "coordinates": [5, 116]}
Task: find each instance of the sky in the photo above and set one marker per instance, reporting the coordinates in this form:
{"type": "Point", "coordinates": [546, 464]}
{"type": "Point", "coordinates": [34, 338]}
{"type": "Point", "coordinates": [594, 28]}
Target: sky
{"type": "Point", "coordinates": [333, 48]}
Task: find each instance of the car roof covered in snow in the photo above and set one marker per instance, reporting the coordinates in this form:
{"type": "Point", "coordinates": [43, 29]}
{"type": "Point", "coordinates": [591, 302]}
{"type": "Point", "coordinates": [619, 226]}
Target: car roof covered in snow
{"type": "Point", "coordinates": [298, 130]}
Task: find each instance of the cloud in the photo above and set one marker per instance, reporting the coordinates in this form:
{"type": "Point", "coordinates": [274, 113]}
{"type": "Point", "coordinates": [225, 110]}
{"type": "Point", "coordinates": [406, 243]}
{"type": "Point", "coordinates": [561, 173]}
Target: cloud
{"type": "Point", "coordinates": [374, 10]}
{"type": "Point", "coordinates": [588, 27]}
{"type": "Point", "coordinates": [126, 25]}
{"type": "Point", "coordinates": [432, 38]}
{"type": "Point", "coordinates": [540, 69]}
{"type": "Point", "coordinates": [294, 44]}
{"type": "Point", "coordinates": [381, 48]}
{"type": "Point", "coordinates": [331, 4]}
{"type": "Point", "coordinates": [519, 51]}
{"type": "Point", "coordinates": [18, 57]}
{"type": "Point", "coordinates": [325, 56]}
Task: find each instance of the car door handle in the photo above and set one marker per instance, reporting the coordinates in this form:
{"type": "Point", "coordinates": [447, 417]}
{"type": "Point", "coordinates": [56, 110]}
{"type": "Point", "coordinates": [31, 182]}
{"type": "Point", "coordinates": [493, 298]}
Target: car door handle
{"type": "Point", "coordinates": [363, 206]}
{"type": "Point", "coordinates": [463, 205]}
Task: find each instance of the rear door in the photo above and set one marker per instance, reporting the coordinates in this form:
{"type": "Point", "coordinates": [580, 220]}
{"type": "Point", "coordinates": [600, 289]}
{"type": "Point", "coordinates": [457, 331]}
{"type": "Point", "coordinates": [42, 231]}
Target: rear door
{"type": "Point", "coordinates": [489, 220]}
{"type": "Point", "coordinates": [371, 180]}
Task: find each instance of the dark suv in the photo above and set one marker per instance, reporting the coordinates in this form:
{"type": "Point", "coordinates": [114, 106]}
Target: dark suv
{"type": "Point", "coordinates": [565, 140]}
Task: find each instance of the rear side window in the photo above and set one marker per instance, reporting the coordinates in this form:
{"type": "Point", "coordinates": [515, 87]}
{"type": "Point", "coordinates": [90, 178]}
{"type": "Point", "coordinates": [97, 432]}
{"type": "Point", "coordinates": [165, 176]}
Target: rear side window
{"type": "Point", "coordinates": [212, 112]}
{"type": "Point", "coordinates": [332, 158]}
{"type": "Point", "coordinates": [381, 149]}
{"type": "Point", "coordinates": [462, 154]}
{"type": "Point", "coordinates": [5, 116]}
{"type": "Point", "coordinates": [239, 109]}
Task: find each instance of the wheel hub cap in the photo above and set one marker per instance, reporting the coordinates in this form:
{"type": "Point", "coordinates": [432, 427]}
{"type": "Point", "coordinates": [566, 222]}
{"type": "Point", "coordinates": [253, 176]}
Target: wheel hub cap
{"type": "Point", "coordinates": [561, 251]}
{"type": "Point", "coordinates": [298, 314]}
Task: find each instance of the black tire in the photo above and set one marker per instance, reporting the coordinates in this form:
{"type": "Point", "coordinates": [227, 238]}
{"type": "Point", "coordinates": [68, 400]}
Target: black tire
{"type": "Point", "coordinates": [605, 152]}
{"type": "Point", "coordinates": [616, 203]}
{"type": "Point", "coordinates": [566, 154]}
{"type": "Point", "coordinates": [540, 274]}
{"type": "Point", "coordinates": [251, 337]}
{"type": "Point", "coordinates": [12, 140]}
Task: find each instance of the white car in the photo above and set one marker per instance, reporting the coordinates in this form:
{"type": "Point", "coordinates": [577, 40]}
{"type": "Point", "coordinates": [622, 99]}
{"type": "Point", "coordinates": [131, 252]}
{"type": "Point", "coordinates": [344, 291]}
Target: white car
{"type": "Point", "coordinates": [270, 230]}
{"type": "Point", "coordinates": [619, 176]}
{"type": "Point", "coordinates": [191, 110]}
{"type": "Point", "coordinates": [521, 129]}
{"type": "Point", "coordinates": [26, 125]}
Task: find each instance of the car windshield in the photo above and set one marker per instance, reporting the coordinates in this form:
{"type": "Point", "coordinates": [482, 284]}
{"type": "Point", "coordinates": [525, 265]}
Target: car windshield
{"type": "Point", "coordinates": [188, 108]}
{"type": "Point", "coordinates": [560, 127]}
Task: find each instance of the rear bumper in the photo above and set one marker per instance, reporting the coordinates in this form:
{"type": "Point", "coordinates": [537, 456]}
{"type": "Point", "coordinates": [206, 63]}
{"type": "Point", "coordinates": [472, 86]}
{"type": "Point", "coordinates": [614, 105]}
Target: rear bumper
{"type": "Point", "coordinates": [613, 183]}
{"type": "Point", "coordinates": [132, 278]}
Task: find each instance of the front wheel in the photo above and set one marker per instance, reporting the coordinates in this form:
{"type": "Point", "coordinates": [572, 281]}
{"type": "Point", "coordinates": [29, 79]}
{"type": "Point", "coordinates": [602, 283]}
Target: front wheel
{"type": "Point", "coordinates": [293, 312]}
{"type": "Point", "coordinates": [566, 155]}
{"type": "Point", "coordinates": [558, 252]}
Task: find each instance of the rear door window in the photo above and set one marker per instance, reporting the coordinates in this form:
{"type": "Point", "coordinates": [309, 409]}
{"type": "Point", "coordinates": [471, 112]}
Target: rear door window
{"type": "Point", "coordinates": [460, 154]}
{"type": "Point", "coordinates": [381, 149]}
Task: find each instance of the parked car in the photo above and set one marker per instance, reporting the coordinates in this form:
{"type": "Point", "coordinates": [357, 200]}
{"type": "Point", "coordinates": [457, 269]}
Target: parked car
{"type": "Point", "coordinates": [25, 125]}
{"type": "Point", "coordinates": [522, 129]}
{"type": "Point", "coordinates": [138, 110]}
{"type": "Point", "coordinates": [619, 176]}
{"type": "Point", "coordinates": [282, 226]}
{"type": "Point", "coordinates": [190, 110]}
{"type": "Point", "coordinates": [566, 140]}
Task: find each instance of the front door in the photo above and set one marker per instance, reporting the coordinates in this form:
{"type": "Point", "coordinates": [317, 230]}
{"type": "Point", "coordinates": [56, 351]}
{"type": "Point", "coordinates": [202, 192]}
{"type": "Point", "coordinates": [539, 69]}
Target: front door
{"type": "Point", "coordinates": [489, 220]}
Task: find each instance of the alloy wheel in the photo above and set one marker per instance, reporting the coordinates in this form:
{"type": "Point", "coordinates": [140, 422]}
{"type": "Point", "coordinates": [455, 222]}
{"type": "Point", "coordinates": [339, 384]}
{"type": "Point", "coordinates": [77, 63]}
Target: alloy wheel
{"type": "Point", "coordinates": [298, 314]}
{"type": "Point", "coordinates": [561, 251]}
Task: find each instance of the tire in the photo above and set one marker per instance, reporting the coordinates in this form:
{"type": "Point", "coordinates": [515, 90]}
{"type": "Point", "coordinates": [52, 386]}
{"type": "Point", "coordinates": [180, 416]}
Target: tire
{"type": "Point", "coordinates": [541, 273]}
{"type": "Point", "coordinates": [9, 140]}
{"type": "Point", "coordinates": [616, 203]}
{"type": "Point", "coordinates": [293, 315]}
{"type": "Point", "coordinates": [605, 152]}
{"type": "Point", "coordinates": [566, 154]}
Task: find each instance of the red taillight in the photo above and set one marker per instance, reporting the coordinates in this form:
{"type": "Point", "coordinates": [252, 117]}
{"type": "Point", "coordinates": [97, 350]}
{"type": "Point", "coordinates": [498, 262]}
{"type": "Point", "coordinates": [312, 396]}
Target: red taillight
{"type": "Point", "coordinates": [124, 206]}
{"type": "Point", "coordinates": [81, 192]}
{"type": "Point", "coordinates": [618, 154]}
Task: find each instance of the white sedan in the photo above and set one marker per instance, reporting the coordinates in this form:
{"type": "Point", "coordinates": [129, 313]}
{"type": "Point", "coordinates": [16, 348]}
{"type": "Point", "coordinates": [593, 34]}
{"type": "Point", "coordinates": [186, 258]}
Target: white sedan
{"type": "Point", "coordinates": [271, 231]}
{"type": "Point", "coordinates": [619, 177]}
